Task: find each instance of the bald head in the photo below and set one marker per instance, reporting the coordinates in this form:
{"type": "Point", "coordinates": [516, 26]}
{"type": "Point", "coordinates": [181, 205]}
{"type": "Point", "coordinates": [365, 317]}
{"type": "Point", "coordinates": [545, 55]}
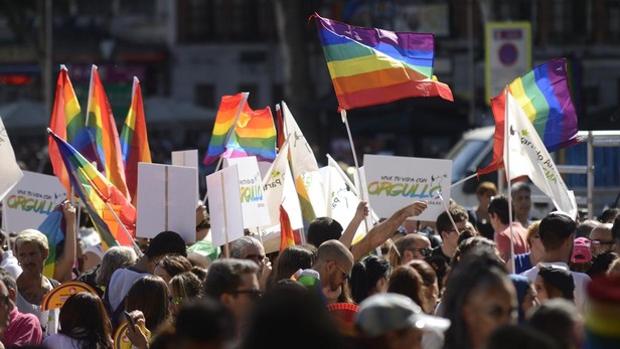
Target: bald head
{"type": "Point", "coordinates": [602, 240]}
{"type": "Point", "coordinates": [334, 250]}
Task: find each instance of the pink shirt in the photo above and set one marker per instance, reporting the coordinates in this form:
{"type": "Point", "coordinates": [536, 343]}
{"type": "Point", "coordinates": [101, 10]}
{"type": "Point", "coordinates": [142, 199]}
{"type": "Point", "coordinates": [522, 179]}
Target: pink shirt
{"type": "Point", "coordinates": [23, 329]}
{"type": "Point", "coordinates": [519, 238]}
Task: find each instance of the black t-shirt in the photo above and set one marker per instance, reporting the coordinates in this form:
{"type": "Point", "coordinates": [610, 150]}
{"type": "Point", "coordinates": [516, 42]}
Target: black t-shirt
{"type": "Point", "coordinates": [440, 262]}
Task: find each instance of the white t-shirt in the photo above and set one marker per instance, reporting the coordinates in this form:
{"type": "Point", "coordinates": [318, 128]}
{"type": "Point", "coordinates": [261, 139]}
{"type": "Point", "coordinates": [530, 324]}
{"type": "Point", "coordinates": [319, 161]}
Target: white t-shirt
{"type": "Point", "coordinates": [120, 284]}
{"type": "Point", "coordinates": [60, 341]}
{"type": "Point", "coordinates": [10, 264]}
{"type": "Point", "coordinates": [48, 318]}
{"type": "Point", "coordinates": [581, 281]}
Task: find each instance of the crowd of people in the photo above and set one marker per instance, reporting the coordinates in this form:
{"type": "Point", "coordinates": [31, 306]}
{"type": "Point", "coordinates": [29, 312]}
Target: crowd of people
{"type": "Point", "coordinates": [472, 279]}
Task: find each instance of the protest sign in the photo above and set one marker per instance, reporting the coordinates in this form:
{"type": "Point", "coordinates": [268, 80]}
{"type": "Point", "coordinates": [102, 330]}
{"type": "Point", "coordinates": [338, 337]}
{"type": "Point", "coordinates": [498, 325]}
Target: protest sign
{"type": "Point", "coordinates": [341, 201]}
{"type": "Point", "coordinates": [31, 200]}
{"type": "Point", "coordinates": [166, 200]}
{"type": "Point", "coordinates": [186, 158]}
{"type": "Point", "coordinates": [58, 296]}
{"type": "Point", "coordinates": [255, 211]}
{"type": "Point", "coordinates": [394, 182]}
{"type": "Point", "coordinates": [225, 205]}
{"type": "Point", "coordinates": [10, 173]}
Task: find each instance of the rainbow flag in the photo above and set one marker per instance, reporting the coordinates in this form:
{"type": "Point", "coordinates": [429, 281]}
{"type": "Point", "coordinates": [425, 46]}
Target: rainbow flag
{"type": "Point", "coordinates": [544, 96]}
{"type": "Point", "coordinates": [100, 197]}
{"type": "Point", "coordinates": [65, 121]}
{"type": "Point", "coordinates": [134, 139]}
{"type": "Point", "coordinates": [254, 133]}
{"type": "Point", "coordinates": [103, 134]}
{"type": "Point", "coordinates": [54, 229]}
{"type": "Point", "coordinates": [370, 66]}
{"type": "Point", "coordinates": [287, 236]}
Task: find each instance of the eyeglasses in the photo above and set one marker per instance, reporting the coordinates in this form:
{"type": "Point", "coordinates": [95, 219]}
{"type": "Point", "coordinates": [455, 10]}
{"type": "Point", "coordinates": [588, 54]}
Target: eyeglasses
{"type": "Point", "coordinates": [252, 293]}
{"type": "Point", "coordinates": [602, 242]}
{"type": "Point", "coordinates": [423, 251]}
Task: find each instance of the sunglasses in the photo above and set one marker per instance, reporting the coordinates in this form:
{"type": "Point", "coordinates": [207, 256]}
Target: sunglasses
{"type": "Point", "coordinates": [423, 251]}
{"type": "Point", "coordinates": [602, 242]}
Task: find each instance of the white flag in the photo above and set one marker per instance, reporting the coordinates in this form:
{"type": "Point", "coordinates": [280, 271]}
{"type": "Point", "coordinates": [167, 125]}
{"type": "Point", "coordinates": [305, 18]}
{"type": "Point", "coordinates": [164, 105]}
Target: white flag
{"type": "Point", "coordinates": [526, 154]}
{"type": "Point", "coordinates": [10, 173]}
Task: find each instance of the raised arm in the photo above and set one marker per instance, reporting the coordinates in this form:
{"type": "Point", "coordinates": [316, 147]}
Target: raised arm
{"type": "Point", "coordinates": [64, 265]}
{"type": "Point", "coordinates": [360, 214]}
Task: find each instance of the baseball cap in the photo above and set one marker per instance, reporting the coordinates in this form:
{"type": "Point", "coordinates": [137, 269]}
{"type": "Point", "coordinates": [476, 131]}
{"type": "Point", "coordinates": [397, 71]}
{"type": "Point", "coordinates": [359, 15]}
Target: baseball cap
{"type": "Point", "coordinates": [581, 251]}
{"type": "Point", "coordinates": [386, 312]}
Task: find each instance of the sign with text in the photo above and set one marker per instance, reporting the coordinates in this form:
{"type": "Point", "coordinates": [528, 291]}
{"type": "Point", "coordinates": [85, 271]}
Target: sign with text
{"type": "Point", "coordinates": [166, 200]}
{"type": "Point", "coordinates": [255, 211]}
{"type": "Point", "coordinates": [10, 173]}
{"type": "Point", "coordinates": [225, 205]}
{"type": "Point", "coordinates": [394, 182]}
{"type": "Point", "coordinates": [31, 200]}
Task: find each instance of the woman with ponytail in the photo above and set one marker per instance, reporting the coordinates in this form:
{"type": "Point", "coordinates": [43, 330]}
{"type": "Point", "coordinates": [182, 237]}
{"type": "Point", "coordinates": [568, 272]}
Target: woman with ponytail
{"type": "Point", "coordinates": [369, 276]}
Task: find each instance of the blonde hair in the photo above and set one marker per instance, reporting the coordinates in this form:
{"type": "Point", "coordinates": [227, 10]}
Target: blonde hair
{"type": "Point", "coordinates": [32, 236]}
{"type": "Point", "coordinates": [532, 230]}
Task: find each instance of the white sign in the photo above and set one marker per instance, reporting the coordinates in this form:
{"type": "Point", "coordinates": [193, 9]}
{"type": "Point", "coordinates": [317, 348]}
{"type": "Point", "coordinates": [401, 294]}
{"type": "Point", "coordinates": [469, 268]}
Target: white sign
{"type": "Point", "coordinates": [341, 202]}
{"type": "Point", "coordinates": [225, 206]}
{"type": "Point", "coordinates": [187, 158]}
{"type": "Point", "coordinates": [394, 182]}
{"type": "Point", "coordinates": [255, 211]}
{"type": "Point", "coordinates": [166, 200]}
{"type": "Point", "coordinates": [508, 54]}
{"type": "Point", "coordinates": [31, 200]}
{"type": "Point", "coordinates": [10, 173]}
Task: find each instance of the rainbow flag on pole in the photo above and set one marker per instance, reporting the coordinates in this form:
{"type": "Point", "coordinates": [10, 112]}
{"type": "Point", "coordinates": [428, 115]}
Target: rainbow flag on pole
{"type": "Point", "coordinates": [104, 135]}
{"type": "Point", "coordinates": [65, 121]}
{"type": "Point", "coordinates": [54, 229]}
{"type": "Point", "coordinates": [544, 96]}
{"type": "Point", "coordinates": [230, 107]}
{"type": "Point", "coordinates": [112, 213]}
{"type": "Point", "coordinates": [370, 66]}
{"type": "Point", "coordinates": [134, 139]}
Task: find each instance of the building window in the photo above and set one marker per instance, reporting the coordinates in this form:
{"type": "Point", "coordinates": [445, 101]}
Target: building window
{"type": "Point", "coordinates": [204, 95]}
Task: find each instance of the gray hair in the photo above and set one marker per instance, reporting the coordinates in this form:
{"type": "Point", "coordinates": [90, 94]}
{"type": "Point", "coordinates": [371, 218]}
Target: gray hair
{"type": "Point", "coordinates": [32, 236]}
{"type": "Point", "coordinates": [239, 247]}
{"type": "Point", "coordinates": [115, 258]}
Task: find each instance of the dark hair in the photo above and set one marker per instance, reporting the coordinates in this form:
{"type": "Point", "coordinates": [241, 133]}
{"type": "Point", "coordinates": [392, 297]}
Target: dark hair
{"type": "Point", "coordinates": [224, 276]}
{"type": "Point", "coordinates": [600, 263]}
{"type": "Point", "coordinates": [499, 207]}
{"type": "Point", "coordinates": [290, 260]}
{"type": "Point", "coordinates": [556, 318]}
{"type": "Point", "coordinates": [175, 264]}
{"type": "Point", "coordinates": [149, 295]}
{"type": "Point", "coordinates": [205, 320]}
{"type": "Point", "coordinates": [615, 229]}
{"type": "Point", "coordinates": [406, 281]}
{"type": "Point", "coordinates": [519, 337]}
{"type": "Point", "coordinates": [365, 274]}
{"type": "Point", "coordinates": [200, 273]}
{"type": "Point", "coordinates": [555, 229]}
{"type": "Point", "coordinates": [475, 270]}
{"type": "Point", "coordinates": [560, 279]}
{"type": "Point", "coordinates": [609, 215]}
{"type": "Point", "coordinates": [8, 279]}
{"type": "Point", "coordinates": [473, 244]}
{"type": "Point", "coordinates": [83, 318]}
{"type": "Point", "coordinates": [166, 242]}
{"type": "Point", "coordinates": [429, 277]}
{"type": "Point", "coordinates": [187, 285]}
{"type": "Point", "coordinates": [299, 315]}
{"type": "Point", "coordinates": [443, 222]}
{"type": "Point", "coordinates": [322, 229]}
{"type": "Point", "coordinates": [519, 186]}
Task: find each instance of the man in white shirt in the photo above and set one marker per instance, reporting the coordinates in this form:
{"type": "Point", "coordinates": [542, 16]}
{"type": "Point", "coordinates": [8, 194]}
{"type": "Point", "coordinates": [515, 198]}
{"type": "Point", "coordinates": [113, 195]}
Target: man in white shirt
{"type": "Point", "coordinates": [557, 232]}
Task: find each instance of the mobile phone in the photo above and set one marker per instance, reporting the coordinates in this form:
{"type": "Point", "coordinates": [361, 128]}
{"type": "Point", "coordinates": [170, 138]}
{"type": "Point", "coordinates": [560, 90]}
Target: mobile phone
{"type": "Point", "coordinates": [129, 318]}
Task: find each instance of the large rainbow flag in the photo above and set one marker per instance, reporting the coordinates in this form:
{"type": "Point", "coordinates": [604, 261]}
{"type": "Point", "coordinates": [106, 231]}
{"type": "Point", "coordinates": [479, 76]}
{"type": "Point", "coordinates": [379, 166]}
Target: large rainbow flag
{"type": "Point", "coordinates": [370, 66]}
{"type": "Point", "coordinates": [104, 135]}
{"type": "Point", "coordinates": [254, 132]}
{"type": "Point", "coordinates": [100, 197]}
{"type": "Point", "coordinates": [65, 121]}
{"type": "Point", "coordinates": [544, 96]}
{"type": "Point", "coordinates": [54, 229]}
{"type": "Point", "coordinates": [134, 139]}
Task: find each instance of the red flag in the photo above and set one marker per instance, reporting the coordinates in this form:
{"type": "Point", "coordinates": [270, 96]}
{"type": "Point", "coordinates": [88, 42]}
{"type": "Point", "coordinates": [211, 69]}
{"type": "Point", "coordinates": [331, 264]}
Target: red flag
{"type": "Point", "coordinates": [498, 104]}
{"type": "Point", "coordinates": [279, 127]}
{"type": "Point", "coordinates": [287, 237]}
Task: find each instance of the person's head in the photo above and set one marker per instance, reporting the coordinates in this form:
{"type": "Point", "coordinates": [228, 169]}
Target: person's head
{"type": "Point", "coordinates": [560, 320]}
{"type": "Point", "coordinates": [31, 250]}
{"type": "Point", "coordinates": [429, 294]}
{"type": "Point", "coordinates": [557, 232]}
{"type": "Point", "coordinates": [11, 286]}
{"type": "Point", "coordinates": [584, 228]}
{"type": "Point", "coordinates": [615, 232]}
{"type": "Point", "coordinates": [248, 248]}
{"type": "Point", "coordinates": [498, 213]}
{"type": "Point", "coordinates": [322, 229]}
{"type": "Point", "coordinates": [533, 239]}
{"type": "Point", "coordinates": [601, 239]}
{"type": "Point", "coordinates": [334, 263]}
{"type": "Point", "coordinates": [149, 295]}
{"type": "Point", "coordinates": [114, 258]}
{"type": "Point", "coordinates": [83, 317]}
{"type": "Point", "coordinates": [234, 282]}
{"type": "Point", "coordinates": [167, 242]}
{"type": "Point", "coordinates": [204, 323]}
{"type": "Point", "coordinates": [581, 258]}
{"type": "Point", "coordinates": [484, 193]}
{"type": "Point", "coordinates": [553, 282]}
{"type": "Point", "coordinates": [413, 246]}
{"type": "Point", "coordinates": [614, 268]}
{"type": "Point", "coordinates": [527, 298]}
{"type": "Point", "coordinates": [369, 276]}
{"type": "Point", "coordinates": [519, 337]}
{"type": "Point", "coordinates": [183, 287]}
{"type": "Point", "coordinates": [406, 281]}
{"type": "Point", "coordinates": [475, 244]}
{"type": "Point", "coordinates": [5, 307]}
{"type": "Point", "coordinates": [394, 321]}
{"type": "Point", "coordinates": [601, 264]}
{"type": "Point", "coordinates": [609, 214]}
{"type": "Point", "coordinates": [172, 265]}
{"type": "Point", "coordinates": [290, 261]}
{"type": "Point", "coordinates": [444, 226]}
{"type": "Point", "coordinates": [521, 199]}
{"type": "Point", "coordinates": [479, 297]}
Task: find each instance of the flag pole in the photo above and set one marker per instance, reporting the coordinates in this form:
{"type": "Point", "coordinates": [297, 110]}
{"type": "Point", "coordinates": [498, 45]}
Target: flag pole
{"type": "Point", "coordinates": [508, 186]}
{"type": "Point", "coordinates": [445, 206]}
{"type": "Point", "coordinates": [463, 180]}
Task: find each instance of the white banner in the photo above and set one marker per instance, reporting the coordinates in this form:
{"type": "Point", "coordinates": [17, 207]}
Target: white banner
{"type": "Point", "coordinates": [10, 173]}
{"type": "Point", "coordinates": [31, 200]}
{"type": "Point", "coordinates": [255, 211]}
{"type": "Point", "coordinates": [225, 205]}
{"type": "Point", "coordinates": [394, 182]}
